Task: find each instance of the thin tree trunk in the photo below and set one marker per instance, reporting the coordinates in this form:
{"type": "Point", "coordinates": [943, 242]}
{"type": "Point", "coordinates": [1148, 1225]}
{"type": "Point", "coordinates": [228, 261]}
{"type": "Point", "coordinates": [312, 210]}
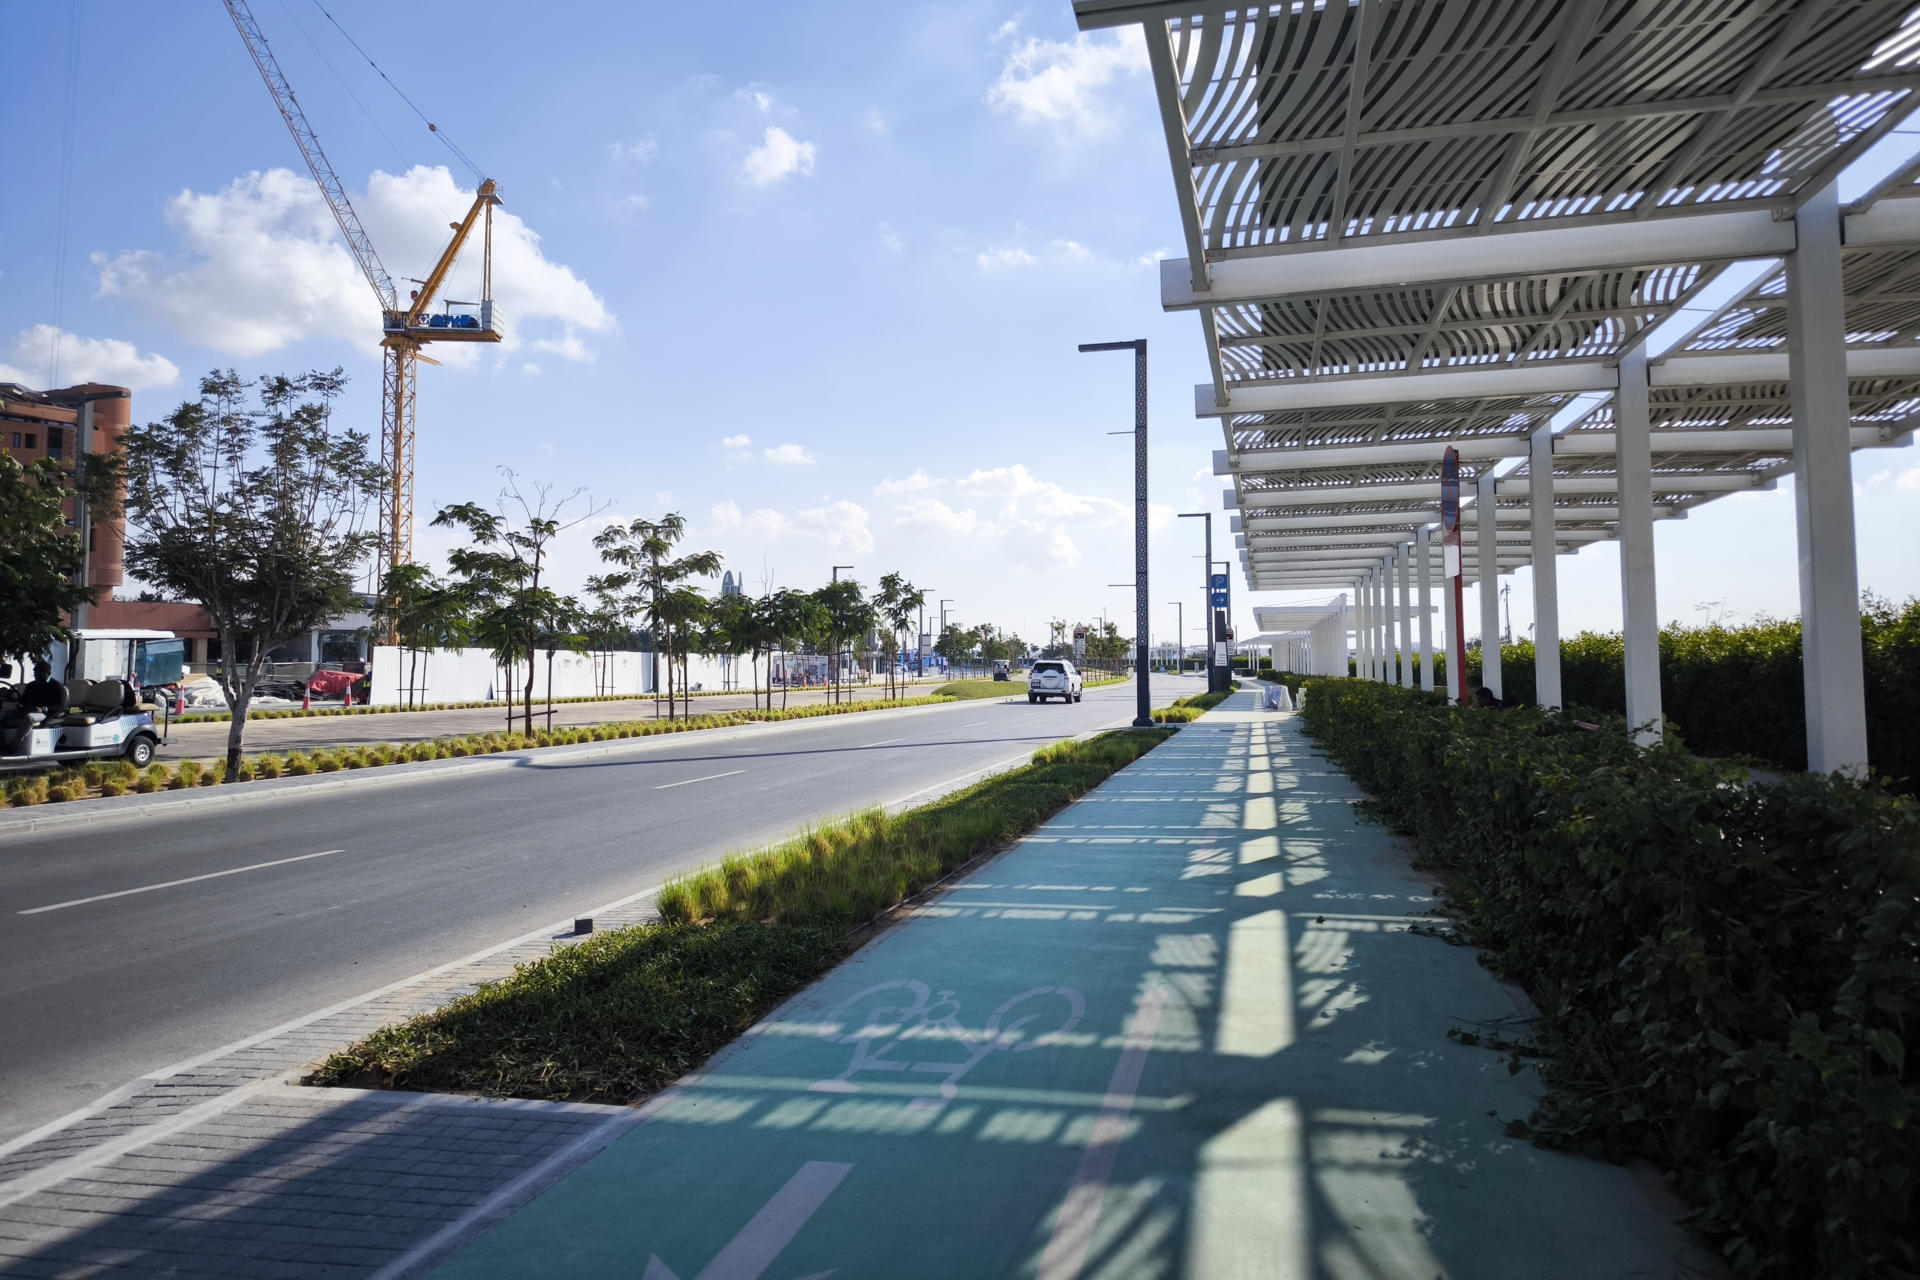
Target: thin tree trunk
{"type": "Point", "coordinates": [237, 727]}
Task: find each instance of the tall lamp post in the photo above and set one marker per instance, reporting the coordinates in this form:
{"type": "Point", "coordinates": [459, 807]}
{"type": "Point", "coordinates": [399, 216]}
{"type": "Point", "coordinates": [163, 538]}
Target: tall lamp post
{"type": "Point", "coordinates": [1214, 682]}
{"type": "Point", "coordinates": [943, 628]}
{"type": "Point", "coordinates": [1143, 711]}
{"type": "Point", "coordinates": [1180, 635]}
{"type": "Point", "coordinates": [920, 646]}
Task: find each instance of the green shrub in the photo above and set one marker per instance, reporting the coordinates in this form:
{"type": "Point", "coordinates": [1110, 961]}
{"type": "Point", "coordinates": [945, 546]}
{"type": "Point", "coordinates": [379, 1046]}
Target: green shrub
{"type": "Point", "coordinates": [113, 785]}
{"type": "Point", "coordinates": [186, 774]}
{"type": "Point", "coordinates": [267, 766]}
{"type": "Point", "coordinates": [29, 790]}
{"type": "Point", "coordinates": [298, 764]}
{"type": "Point", "coordinates": [1729, 974]}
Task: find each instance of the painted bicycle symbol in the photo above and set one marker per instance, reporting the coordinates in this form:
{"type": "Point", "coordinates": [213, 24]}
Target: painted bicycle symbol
{"type": "Point", "coordinates": [901, 1025]}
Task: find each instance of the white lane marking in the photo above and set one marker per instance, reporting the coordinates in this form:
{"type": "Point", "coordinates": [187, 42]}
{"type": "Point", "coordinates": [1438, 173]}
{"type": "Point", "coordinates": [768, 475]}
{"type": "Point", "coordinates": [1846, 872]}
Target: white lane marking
{"type": "Point", "coordinates": [976, 724]}
{"type": "Point", "coordinates": [748, 1255]}
{"type": "Point", "coordinates": [168, 884]}
{"type": "Point", "coordinates": [1079, 1213]}
{"type": "Point", "coordinates": [884, 742]}
{"type": "Point", "coordinates": [687, 782]}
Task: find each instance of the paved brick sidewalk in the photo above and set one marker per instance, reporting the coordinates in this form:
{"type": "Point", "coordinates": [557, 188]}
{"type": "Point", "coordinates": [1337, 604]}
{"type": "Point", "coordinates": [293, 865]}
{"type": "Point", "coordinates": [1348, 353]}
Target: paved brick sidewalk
{"type": "Point", "coordinates": [225, 1166]}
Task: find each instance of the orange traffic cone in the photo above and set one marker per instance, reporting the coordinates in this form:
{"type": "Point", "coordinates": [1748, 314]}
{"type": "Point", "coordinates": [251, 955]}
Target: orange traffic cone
{"type": "Point", "coordinates": [306, 698]}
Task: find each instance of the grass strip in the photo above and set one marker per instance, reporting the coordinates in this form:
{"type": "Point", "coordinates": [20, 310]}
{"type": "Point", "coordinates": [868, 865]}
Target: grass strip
{"type": "Point", "coordinates": [1187, 710]}
{"type": "Point", "coordinates": [618, 1016]}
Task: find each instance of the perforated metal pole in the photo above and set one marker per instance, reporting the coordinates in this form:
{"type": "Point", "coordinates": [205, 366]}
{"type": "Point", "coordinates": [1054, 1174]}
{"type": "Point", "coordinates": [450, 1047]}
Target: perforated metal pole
{"type": "Point", "coordinates": [1143, 697]}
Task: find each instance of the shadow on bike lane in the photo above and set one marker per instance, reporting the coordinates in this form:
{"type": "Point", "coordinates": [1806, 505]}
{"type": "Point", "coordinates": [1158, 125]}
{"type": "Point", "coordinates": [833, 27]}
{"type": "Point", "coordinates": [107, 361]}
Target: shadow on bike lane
{"type": "Point", "coordinates": [1184, 1029]}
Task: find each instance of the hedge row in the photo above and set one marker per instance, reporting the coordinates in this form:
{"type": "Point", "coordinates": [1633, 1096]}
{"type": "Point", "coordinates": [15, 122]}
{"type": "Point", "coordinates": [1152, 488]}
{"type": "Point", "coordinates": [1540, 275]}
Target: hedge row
{"type": "Point", "coordinates": [117, 777]}
{"type": "Point", "coordinates": [1728, 973]}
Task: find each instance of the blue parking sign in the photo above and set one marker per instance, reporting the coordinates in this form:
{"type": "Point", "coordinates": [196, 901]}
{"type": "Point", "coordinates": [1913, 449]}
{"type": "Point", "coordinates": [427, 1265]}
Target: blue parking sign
{"type": "Point", "coordinates": [1218, 581]}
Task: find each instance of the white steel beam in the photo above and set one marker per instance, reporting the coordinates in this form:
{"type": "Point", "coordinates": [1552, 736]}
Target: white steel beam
{"type": "Point", "coordinates": [1472, 449]}
{"type": "Point", "coordinates": [1471, 382]}
{"type": "Point", "coordinates": [1639, 600]}
{"type": "Point", "coordinates": [1505, 515]}
{"type": "Point", "coordinates": [1730, 440]}
{"type": "Point", "coordinates": [1823, 495]}
{"type": "Point", "coordinates": [1561, 377]}
{"type": "Point", "coordinates": [1305, 270]}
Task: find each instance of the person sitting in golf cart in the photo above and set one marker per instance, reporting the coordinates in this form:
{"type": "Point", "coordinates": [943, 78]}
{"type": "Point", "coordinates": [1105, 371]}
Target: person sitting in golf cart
{"type": "Point", "coordinates": [43, 693]}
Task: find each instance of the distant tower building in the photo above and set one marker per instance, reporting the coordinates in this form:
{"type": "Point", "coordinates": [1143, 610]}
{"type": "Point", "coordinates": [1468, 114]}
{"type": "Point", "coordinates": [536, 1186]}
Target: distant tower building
{"type": "Point", "coordinates": [729, 586]}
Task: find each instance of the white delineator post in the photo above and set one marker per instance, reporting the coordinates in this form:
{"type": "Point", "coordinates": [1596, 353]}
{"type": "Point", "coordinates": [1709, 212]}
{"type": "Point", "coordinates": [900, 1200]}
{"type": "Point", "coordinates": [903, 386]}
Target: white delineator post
{"type": "Point", "coordinates": [1426, 607]}
{"type": "Point", "coordinates": [1823, 493]}
{"type": "Point", "coordinates": [1640, 620]}
{"type": "Point", "coordinates": [1404, 558]}
{"type": "Point", "coordinates": [1487, 551]}
{"type": "Point", "coordinates": [1546, 574]}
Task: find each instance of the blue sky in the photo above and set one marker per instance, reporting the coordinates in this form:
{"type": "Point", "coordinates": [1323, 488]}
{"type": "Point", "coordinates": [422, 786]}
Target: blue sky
{"type": "Point", "coordinates": [812, 274]}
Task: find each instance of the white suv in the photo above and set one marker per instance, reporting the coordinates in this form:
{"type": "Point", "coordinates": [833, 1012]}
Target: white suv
{"type": "Point", "coordinates": [1053, 678]}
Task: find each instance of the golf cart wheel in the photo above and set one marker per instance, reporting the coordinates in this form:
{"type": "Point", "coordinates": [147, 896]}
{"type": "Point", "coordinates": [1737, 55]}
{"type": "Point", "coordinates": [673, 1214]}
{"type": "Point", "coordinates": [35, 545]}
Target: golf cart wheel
{"type": "Point", "coordinates": [140, 751]}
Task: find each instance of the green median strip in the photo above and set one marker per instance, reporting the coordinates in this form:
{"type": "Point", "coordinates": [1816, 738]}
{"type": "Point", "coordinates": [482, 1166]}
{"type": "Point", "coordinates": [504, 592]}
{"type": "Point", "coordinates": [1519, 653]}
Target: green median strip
{"type": "Point", "coordinates": [118, 777]}
{"type": "Point", "coordinates": [620, 1015]}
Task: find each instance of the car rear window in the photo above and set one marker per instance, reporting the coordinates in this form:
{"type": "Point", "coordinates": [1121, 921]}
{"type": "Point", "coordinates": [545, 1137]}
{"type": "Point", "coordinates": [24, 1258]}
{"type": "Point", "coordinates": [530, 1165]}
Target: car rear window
{"type": "Point", "coordinates": [1048, 666]}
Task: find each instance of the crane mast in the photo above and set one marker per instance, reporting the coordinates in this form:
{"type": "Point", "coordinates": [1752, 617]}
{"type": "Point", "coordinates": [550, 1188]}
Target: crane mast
{"type": "Point", "coordinates": [405, 326]}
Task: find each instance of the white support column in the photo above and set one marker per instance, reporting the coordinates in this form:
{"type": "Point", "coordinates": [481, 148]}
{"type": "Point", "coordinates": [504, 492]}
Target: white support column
{"type": "Point", "coordinates": [1823, 493]}
{"type": "Point", "coordinates": [1382, 625]}
{"type": "Point", "coordinates": [1484, 511]}
{"type": "Point", "coordinates": [1426, 607]}
{"type": "Point", "coordinates": [1403, 557]}
{"type": "Point", "coordinates": [1449, 628]}
{"type": "Point", "coordinates": [1546, 573]}
{"type": "Point", "coordinates": [1360, 668]}
{"type": "Point", "coordinates": [1373, 624]}
{"type": "Point", "coordinates": [1640, 620]}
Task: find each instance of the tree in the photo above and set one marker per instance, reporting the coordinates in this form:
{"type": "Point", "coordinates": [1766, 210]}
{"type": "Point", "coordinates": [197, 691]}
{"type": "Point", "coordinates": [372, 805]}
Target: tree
{"type": "Point", "coordinates": [255, 514]}
{"type": "Point", "coordinates": [426, 613]}
{"type": "Point", "coordinates": [733, 628]}
{"type": "Point", "coordinates": [899, 603]}
{"type": "Point", "coordinates": [793, 618]}
{"type": "Point", "coordinates": [642, 553]}
{"type": "Point", "coordinates": [848, 616]}
{"type": "Point", "coordinates": [502, 573]}
{"type": "Point", "coordinates": [43, 554]}
{"type": "Point", "coordinates": [954, 645]}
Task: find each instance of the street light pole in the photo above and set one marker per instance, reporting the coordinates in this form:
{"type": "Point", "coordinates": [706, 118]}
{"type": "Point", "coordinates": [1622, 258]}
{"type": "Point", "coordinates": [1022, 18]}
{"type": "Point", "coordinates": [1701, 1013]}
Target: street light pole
{"type": "Point", "coordinates": [919, 650]}
{"type": "Point", "coordinates": [1143, 708]}
{"type": "Point", "coordinates": [1180, 635]}
{"type": "Point", "coordinates": [1214, 684]}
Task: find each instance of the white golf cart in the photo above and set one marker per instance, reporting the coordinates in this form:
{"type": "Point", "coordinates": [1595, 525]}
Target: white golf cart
{"type": "Point", "coordinates": [106, 715]}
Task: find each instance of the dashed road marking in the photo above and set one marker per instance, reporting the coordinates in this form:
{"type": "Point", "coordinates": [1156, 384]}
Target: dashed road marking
{"type": "Point", "coordinates": [169, 884]}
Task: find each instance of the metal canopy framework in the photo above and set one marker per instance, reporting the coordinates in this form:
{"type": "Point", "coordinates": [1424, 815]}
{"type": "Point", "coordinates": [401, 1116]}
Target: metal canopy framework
{"type": "Point", "coordinates": [1412, 224]}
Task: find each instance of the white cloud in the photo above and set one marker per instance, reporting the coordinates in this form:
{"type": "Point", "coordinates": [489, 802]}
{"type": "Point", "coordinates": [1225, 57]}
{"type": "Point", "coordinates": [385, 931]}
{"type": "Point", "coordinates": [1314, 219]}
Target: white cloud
{"type": "Point", "coordinates": [629, 207]}
{"type": "Point", "coordinates": [1003, 257]}
{"type": "Point", "coordinates": [843, 526]}
{"type": "Point", "coordinates": [639, 151]}
{"type": "Point", "coordinates": [763, 101]}
{"type": "Point", "coordinates": [568, 347]}
{"type": "Point", "coordinates": [1153, 258]}
{"type": "Point", "coordinates": [1909, 481]}
{"type": "Point", "coordinates": [890, 239]}
{"type": "Point", "coordinates": [530, 368]}
{"type": "Point", "coordinates": [107, 360]}
{"type": "Point", "coordinates": [918, 482]}
{"type": "Point", "coordinates": [788, 455]}
{"type": "Point", "coordinates": [260, 264]}
{"type": "Point", "coordinates": [1024, 496]}
{"type": "Point", "coordinates": [1059, 83]}
{"type": "Point", "coordinates": [877, 125]}
{"type": "Point", "coordinates": [735, 442]}
{"type": "Point", "coordinates": [1068, 251]}
{"type": "Point", "coordinates": [931, 513]}
{"type": "Point", "coordinates": [778, 156]}
{"type": "Point", "coordinates": [1008, 29]}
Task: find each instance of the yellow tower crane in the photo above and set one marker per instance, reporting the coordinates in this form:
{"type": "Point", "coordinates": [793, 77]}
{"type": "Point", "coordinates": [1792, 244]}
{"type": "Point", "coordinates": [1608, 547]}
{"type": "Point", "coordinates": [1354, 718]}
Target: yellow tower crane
{"type": "Point", "coordinates": [404, 328]}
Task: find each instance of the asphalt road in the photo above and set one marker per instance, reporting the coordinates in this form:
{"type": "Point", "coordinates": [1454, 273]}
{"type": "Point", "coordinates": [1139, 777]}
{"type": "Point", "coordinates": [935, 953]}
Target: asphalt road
{"type": "Point", "coordinates": [207, 740]}
{"type": "Point", "coordinates": [98, 992]}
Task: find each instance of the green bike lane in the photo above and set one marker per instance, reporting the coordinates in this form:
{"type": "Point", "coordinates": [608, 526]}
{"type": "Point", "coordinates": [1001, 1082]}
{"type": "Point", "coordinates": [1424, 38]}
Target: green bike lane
{"type": "Point", "coordinates": [1183, 1029]}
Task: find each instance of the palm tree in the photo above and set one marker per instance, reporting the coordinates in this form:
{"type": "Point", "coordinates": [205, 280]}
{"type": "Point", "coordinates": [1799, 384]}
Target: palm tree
{"type": "Point", "coordinates": [899, 602]}
{"type": "Point", "coordinates": [793, 618]}
{"type": "Point", "coordinates": [643, 553]}
{"type": "Point", "coordinates": [848, 616]}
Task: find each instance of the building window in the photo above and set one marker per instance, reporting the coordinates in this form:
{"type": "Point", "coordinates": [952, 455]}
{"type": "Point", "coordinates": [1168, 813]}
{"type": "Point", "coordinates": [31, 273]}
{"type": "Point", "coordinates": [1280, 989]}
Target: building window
{"type": "Point", "coordinates": [56, 440]}
{"type": "Point", "coordinates": [90, 533]}
{"type": "Point", "coordinates": [33, 441]}
{"type": "Point", "coordinates": [16, 439]}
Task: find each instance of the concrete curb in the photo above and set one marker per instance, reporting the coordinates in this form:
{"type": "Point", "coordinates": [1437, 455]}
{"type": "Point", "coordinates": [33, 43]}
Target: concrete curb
{"type": "Point", "coordinates": [77, 814]}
